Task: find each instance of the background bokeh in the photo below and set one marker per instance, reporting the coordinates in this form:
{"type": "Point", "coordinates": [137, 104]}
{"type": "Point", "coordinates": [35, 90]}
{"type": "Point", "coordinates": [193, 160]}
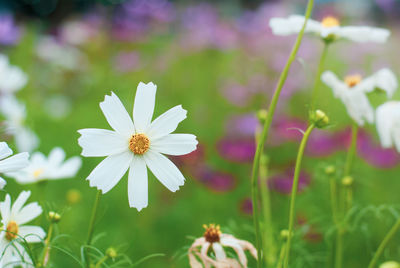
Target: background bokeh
{"type": "Point", "coordinates": [220, 60]}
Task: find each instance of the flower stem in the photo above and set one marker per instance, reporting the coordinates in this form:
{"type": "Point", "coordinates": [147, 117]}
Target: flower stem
{"type": "Point", "coordinates": [384, 243]}
{"type": "Point", "coordinates": [46, 250]}
{"type": "Point", "coordinates": [352, 150]}
{"type": "Point", "coordinates": [281, 256]}
{"type": "Point", "coordinates": [334, 202]}
{"type": "Point", "coordinates": [317, 82]}
{"type": "Point", "coordinates": [92, 223]}
{"type": "Point", "coordinates": [294, 190]}
{"type": "Point", "coordinates": [264, 134]}
{"type": "Point", "coordinates": [101, 261]}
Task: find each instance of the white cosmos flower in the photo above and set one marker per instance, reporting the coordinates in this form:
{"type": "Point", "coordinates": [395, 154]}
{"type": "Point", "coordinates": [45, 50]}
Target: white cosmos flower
{"type": "Point", "coordinates": [388, 124]}
{"type": "Point", "coordinates": [329, 27]}
{"type": "Point", "coordinates": [15, 115]}
{"type": "Point", "coordinates": [353, 92]}
{"type": "Point", "coordinates": [51, 168]}
{"type": "Point", "coordinates": [14, 230]}
{"type": "Point", "coordinates": [10, 163]}
{"type": "Point", "coordinates": [137, 145]}
{"type": "Point", "coordinates": [215, 241]}
{"type": "Point", "coordinates": [12, 78]}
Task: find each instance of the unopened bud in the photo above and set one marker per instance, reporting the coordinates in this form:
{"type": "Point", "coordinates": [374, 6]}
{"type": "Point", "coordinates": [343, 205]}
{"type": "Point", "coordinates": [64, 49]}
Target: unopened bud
{"type": "Point", "coordinates": [284, 234]}
{"type": "Point", "coordinates": [111, 253]}
{"type": "Point", "coordinates": [330, 170]}
{"type": "Point", "coordinates": [390, 264]}
{"type": "Point", "coordinates": [54, 216]}
{"type": "Point", "coordinates": [320, 119]}
{"type": "Point", "coordinates": [347, 181]}
{"type": "Point", "coordinates": [262, 115]}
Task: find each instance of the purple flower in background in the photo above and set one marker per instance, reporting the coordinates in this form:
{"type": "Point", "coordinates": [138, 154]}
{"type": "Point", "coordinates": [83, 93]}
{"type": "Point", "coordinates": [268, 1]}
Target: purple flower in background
{"type": "Point", "coordinates": [218, 181]}
{"type": "Point", "coordinates": [287, 129]}
{"type": "Point", "coordinates": [235, 93]}
{"type": "Point", "coordinates": [246, 206]}
{"type": "Point", "coordinates": [323, 143]}
{"type": "Point", "coordinates": [127, 61]}
{"type": "Point", "coordinates": [9, 31]}
{"type": "Point", "coordinates": [237, 150]}
{"type": "Point", "coordinates": [283, 182]}
{"type": "Point", "coordinates": [242, 125]}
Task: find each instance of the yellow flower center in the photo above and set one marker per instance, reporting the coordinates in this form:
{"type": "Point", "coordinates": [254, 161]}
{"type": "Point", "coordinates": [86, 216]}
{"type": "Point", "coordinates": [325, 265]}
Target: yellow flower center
{"type": "Point", "coordinates": [11, 230]}
{"type": "Point", "coordinates": [139, 144]}
{"type": "Point", "coordinates": [212, 233]}
{"type": "Point", "coordinates": [353, 80]}
{"type": "Point", "coordinates": [330, 21]}
{"type": "Point", "coordinates": [38, 172]}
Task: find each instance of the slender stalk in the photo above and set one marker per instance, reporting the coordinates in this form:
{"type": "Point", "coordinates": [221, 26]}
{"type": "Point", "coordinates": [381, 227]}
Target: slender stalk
{"type": "Point", "coordinates": [334, 202]}
{"type": "Point", "coordinates": [339, 248]}
{"type": "Point", "coordinates": [352, 150]}
{"type": "Point", "coordinates": [264, 134]}
{"type": "Point", "coordinates": [384, 243]}
{"type": "Point", "coordinates": [92, 223]}
{"type": "Point", "coordinates": [317, 82]}
{"type": "Point", "coordinates": [101, 261]}
{"type": "Point", "coordinates": [294, 190]}
{"type": "Point", "coordinates": [46, 250]}
{"type": "Point", "coordinates": [268, 238]}
{"type": "Point", "coordinates": [281, 256]}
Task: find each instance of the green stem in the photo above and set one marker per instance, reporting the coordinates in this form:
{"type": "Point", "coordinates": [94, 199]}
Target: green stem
{"type": "Point", "coordinates": [317, 82]}
{"type": "Point", "coordinates": [281, 256]}
{"type": "Point", "coordinates": [334, 202]}
{"type": "Point", "coordinates": [268, 238]}
{"type": "Point", "coordinates": [101, 261]}
{"type": "Point", "coordinates": [46, 250]}
{"type": "Point", "coordinates": [92, 223]}
{"type": "Point", "coordinates": [384, 243]}
{"type": "Point", "coordinates": [294, 190]}
{"type": "Point", "coordinates": [339, 248]}
{"type": "Point", "coordinates": [352, 150]}
{"type": "Point", "coordinates": [264, 134]}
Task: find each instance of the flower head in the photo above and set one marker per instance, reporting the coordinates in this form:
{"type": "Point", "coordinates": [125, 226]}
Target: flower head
{"type": "Point", "coordinates": [12, 163]}
{"type": "Point", "coordinates": [12, 78]}
{"type": "Point", "coordinates": [213, 239]}
{"type": "Point", "coordinates": [388, 124]}
{"type": "Point", "coordinates": [328, 29]}
{"type": "Point", "coordinates": [353, 92]}
{"type": "Point", "coordinates": [51, 168]}
{"type": "Point", "coordinates": [136, 145]}
{"type": "Point", "coordinates": [15, 231]}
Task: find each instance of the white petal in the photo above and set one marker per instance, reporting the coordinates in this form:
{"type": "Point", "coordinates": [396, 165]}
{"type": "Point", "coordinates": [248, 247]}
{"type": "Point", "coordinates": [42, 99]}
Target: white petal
{"type": "Point", "coordinates": [383, 79]}
{"type": "Point", "coordinates": [4, 150]}
{"type": "Point", "coordinates": [2, 183]}
{"type": "Point", "coordinates": [175, 144]}
{"type": "Point", "coordinates": [14, 163]}
{"type": "Point", "coordinates": [56, 156]}
{"type": "Point", "coordinates": [32, 234]}
{"type": "Point", "coordinates": [164, 170]}
{"type": "Point", "coordinates": [385, 118]}
{"type": "Point", "coordinates": [293, 25]}
{"type": "Point", "coordinates": [143, 107]}
{"type": "Point", "coordinates": [101, 142]}
{"type": "Point", "coordinates": [358, 107]}
{"type": "Point", "coordinates": [20, 201]}
{"type": "Point", "coordinates": [28, 213]}
{"type": "Point", "coordinates": [5, 209]}
{"type": "Point", "coordinates": [137, 184]}
{"type": "Point", "coordinates": [167, 122]}
{"type": "Point", "coordinates": [204, 248]}
{"type": "Point", "coordinates": [25, 139]}
{"type": "Point", "coordinates": [364, 34]}
{"type": "Point", "coordinates": [116, 115]}
{"type": "Point", "coordinates": [219, 251]}
{"type": "Point", "coordinates": [109, 172]}
{"type": "Point", "coordinates": [69, 168]}
{"type": "Point", "coordinates": [338, 87]}
{"type": "Point", "coordinates": [229, 242]}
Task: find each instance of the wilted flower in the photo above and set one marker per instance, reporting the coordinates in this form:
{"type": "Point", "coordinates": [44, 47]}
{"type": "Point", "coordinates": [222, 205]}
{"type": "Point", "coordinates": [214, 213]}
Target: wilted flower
{"type": "Point", "coordinates": [388, 124]}
{"type": "Point", "coordinates": [13, 163]}
{"type": "Point", "coordinates": [137, 145]}
{"type": "Point", "coordinates": [215, 240]}
{"type": "Point", "coordinates": [329, 29]}
{"type": "Point", "coordinates": [353, 92]}
{"type": "Point", "coordinates": [15, 115]}
{"type": "Point", "coordinates": [53, 167]}
{"type": "Point", "coordinates": [15, 232]}
{"type": "Point", "coordinates": [12, 78]}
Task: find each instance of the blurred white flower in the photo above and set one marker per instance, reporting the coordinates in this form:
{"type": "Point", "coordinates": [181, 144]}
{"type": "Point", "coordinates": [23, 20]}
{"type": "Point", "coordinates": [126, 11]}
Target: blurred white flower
{"type": "Point", "coordinates": [390, 264]}
{"type": "Point", "coordinates": [14, 230]}
{"type": "Point", "coordinates": [51, 168]}
{"type": "Point", "coordinates": [353, 92]}
{"type": "Point", "coordinates": [328, 28]}
{"type": "Point", "coordinates": [10, 164]}
{"type": "Point", "coordinates": [77, 32]}
{"type": "Point", "coordinates": [12, 78]}
{"type": "Point", "coordinates": [137, 145]}
{"type": "Point", "coordinates": [388, 124]}
{"type": "Point", "coordinates": [15, 115]}
{"type": "Point", "coordinates": [58, 106]}
{"type": "Point", "coordinates": [59, 54]}
{"type": "Point", "coordinates": [216, 241]}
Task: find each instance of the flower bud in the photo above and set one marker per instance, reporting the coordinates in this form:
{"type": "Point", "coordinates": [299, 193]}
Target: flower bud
{"type": "Point", "coordinates": [320, 119]}
{"type": "Point", "coordinates": [262, 115]}
{"type": "Point", "coordinates": [284, 234]}
{"type": "Point", "coordinates": [390, 264]}
{"type": "Point", "coordinates": [330, 170]}
{"type": "Point", "coordinates": [347, 181]}
{"type": "Point", "coordinates": [54, 216]}
{"type": "Point", "coordinates": [73, 196]}
{"type": "Point", "coordinates": [111, 253]}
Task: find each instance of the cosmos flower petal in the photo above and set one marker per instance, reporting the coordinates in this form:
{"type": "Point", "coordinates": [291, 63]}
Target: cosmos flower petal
{"type": "Point", "coordinates": [330, 79]}
{"type": "Point", "coordinates": [164, 170]}
{"type": "Point", "coordinates": [20, 201]}
{"type": "Point", "coordinates": [2, 183]}
{"type": "Point", "coordinates": [28, 213]}
{"type": "Point", "coordinates": [116, 115]}
{"type": "Point", "coordinates": [358, 107]}
{"type": "Point", "coordinates": [25, 139]}
{"type": "Point", "coordinates": [166, 123]}
{"type": "Point", "coordinates": [56, 156]}
{"type": "Point", "coordinates": [69, 168]}
{"type": "Point", "coordinates": [138, 184]}
{"type": "Point", "coordinates": [204, 248]}
{"type": "Point", "coordinates": [5, 209]}
{"type": "Point", "coordinates": [14, 162]}
{"type": "Point", "coordinates": [364, 34]}
{"type": "Point", "coordinates": [175, 144]}
{"type": "Point", "coordinates": [230, 242]}
{"type": "Point", "coordinates": [384, 80]}
{"type": "Point", "coordinates": [109, 172]}
{"type": "Point", "coordinates": [293, 25]}
{"type": "Point", "coordinates": [143, 107]}
{"type": "Point", "coordinates": [385, 114]}
{"type": "Point", "coordinates": [4, 150]}
{"type": "Point", "coordinates": [32, 234]}
{"type": "Point", "coordinates": [101, 142]}
{"type": "Point", "coordinates": [219, 251]}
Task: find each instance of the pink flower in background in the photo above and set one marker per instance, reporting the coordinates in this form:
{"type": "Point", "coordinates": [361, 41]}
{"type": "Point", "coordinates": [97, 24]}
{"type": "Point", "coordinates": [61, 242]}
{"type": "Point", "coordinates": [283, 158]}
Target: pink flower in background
{"type": "Point", "coordinates": [237, 150]}
{"type": "Point", "coordinates": [10, 33]}
{"type": "Point", "coordinates": [283, 182]}
{"type": "Point", "coordinates": [127, 61]}
{"type": "Point", "coordinates": [246, 206]}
